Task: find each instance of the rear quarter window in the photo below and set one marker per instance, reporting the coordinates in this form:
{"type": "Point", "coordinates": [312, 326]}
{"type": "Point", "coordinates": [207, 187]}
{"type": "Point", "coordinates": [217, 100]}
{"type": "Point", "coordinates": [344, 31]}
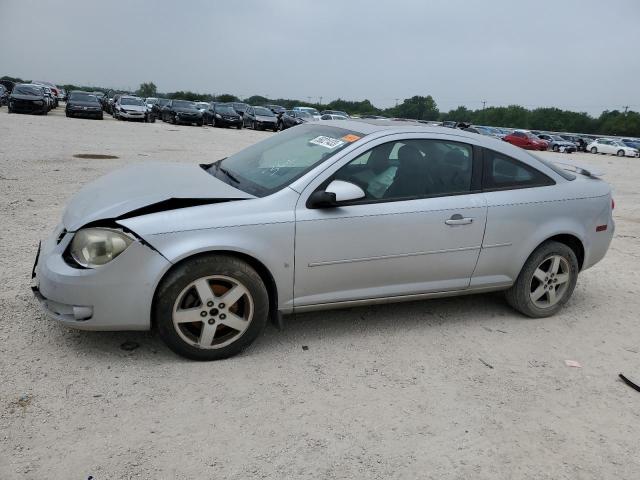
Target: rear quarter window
{"type": "Point", "coordinates": [501, 172]}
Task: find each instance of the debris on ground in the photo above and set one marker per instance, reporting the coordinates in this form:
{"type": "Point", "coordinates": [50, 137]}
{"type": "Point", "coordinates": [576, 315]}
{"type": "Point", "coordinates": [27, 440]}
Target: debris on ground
{"type": "Point", "coordinates": [633, 385]}
{"type": "Point", "coordinates": [305, 348]}
{"type": "Point", "coordinates": [129, 346]}
{"type": "Point", "coordinates": [485, 363]}
{"type": "Point", "coordinates": [572, 363]}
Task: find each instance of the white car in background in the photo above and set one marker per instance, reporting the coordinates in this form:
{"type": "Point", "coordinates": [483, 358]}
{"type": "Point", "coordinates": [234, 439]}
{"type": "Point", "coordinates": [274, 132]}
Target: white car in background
{"type": "Point", "coordinates": [310, 110]}
{"type": "Point", "coordinates": [614, 147]}
{"type": "Point", "coordinates": [131, 108]}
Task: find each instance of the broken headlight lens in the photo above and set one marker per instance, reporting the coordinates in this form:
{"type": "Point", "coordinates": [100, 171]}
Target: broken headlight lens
{"type": "Point", "coordinates": [93, 247]}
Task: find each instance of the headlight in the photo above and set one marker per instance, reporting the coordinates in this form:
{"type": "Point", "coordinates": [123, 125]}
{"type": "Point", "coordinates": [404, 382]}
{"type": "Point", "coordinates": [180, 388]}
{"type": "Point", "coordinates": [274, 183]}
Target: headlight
{"type": "Point", "coordinates": [218, 115]}
{"type": "Point", "coordinates": [93, 247]}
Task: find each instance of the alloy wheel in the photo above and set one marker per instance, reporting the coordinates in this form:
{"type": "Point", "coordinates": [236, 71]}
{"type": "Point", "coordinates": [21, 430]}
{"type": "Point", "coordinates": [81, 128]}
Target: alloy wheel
{"type": "Point", "coordinates": [212, 312]}
{"type": "Point", "coordinates": [550, 281]}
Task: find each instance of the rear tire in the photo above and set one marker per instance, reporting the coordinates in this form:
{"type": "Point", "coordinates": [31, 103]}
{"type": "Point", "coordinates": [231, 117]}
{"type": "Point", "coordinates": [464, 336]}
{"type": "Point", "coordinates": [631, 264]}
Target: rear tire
{"type": "Point", "coordinates": [620, 153]}
{"type": "Point", "coordinates": [545, 282]}
{"type": "Point", "coordinates": [594, 150]}
{"type": "Point", "coordinates": [555, 148]}
{"type": "Point", "coordinates": [191, 314]}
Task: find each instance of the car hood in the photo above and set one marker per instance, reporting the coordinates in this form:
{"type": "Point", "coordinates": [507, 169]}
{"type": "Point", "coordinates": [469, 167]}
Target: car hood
{"type": "Point", "coordinates": [145, 185]}
{"type": "Point", "coordinates": [19, 96]}
{"type": "Point", "coordinates": [186, 110]}
{"type": "Point", "coordinates": [134, 108]}
{"type": "Point", "coordinates": [264, 118]}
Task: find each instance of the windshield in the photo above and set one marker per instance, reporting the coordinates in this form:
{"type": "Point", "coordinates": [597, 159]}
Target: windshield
{"type": "Point", "coordinates": [303, 114]}
{"type": "Point", "coordinates": [83, 97]}
{"type": "Point", "coordinates": [152, 100]}
{"type": "Point", "coordinates": [265, 112]}
{"type": "Point", "coordinates": [183, 104]}
{"type": "Point", "coordinates": [310, 110]}
{"type": "Point", "coordinates": [226, 109]}
{"type": "Point", "coordinates": [131, 101]}
{"type": "Point", "coordinates": [204, 105]}
{"type": "Point", "coordinates": [240, 106]}
{"type": "Point", "coordinates": [272, 164]}
{"type": "Point", "coordinates": [163, 101]}
{"type": "Point", "coordinates": [27, 90]}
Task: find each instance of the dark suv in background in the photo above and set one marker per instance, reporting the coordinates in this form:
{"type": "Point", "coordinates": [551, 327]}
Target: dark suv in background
{"type": "Point", "coordinates": [182, 111]}
{"type": "Point", "coordinates": [224, 115]}
{"type": "Point", "coordinates": [83, 104]}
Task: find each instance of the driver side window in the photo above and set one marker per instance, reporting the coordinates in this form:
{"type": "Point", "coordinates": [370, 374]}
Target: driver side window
{"type": "Point", "coordinates": [411, 169]}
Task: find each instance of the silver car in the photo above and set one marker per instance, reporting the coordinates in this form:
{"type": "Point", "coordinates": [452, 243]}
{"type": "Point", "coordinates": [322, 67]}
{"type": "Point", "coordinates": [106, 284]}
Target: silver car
{"type": "Point", "coordinates": [319, 216]}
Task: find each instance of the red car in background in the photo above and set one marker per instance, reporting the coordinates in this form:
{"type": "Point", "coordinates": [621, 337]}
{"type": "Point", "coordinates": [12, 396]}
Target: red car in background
{"type": "Point", "coordinates": [526, 140]}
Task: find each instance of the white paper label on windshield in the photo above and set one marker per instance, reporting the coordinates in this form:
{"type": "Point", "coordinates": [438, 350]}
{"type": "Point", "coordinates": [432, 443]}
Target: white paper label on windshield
{"type": "Point", "coordinates": [326, 142]}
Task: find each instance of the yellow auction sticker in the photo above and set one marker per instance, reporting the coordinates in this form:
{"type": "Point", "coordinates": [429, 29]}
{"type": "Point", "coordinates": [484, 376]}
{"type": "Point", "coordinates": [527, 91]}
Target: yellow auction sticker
{"type": "Point", "coordinates": [351, 138]}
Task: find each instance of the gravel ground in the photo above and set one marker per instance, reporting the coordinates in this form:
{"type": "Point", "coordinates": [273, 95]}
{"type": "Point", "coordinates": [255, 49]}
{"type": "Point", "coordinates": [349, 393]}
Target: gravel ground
{"type": "Point", "coordinates": [444, 389]}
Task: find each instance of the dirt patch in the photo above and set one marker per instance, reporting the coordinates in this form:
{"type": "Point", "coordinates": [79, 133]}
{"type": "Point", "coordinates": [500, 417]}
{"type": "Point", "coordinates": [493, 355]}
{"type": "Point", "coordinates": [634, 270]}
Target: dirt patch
{"type": "Point", "coordinates": [95, 156]}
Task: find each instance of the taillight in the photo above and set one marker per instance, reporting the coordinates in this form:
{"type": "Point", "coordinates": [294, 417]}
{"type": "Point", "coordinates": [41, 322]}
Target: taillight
{"type": "Point", "coordinates": [613, 204]}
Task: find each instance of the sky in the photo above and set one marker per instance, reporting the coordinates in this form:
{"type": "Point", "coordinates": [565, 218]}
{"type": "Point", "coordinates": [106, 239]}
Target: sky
{"type": "Point", "coordinates": [575, 54]}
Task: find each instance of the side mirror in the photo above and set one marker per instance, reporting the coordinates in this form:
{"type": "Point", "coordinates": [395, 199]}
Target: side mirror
{"type": "Point", "coordinates": [336, 192]}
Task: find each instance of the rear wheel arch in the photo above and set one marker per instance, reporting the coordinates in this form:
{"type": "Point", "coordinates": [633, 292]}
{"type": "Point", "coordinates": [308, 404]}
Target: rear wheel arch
{"type": "Point", "coordinates": [571, 241]}
{"type": "Point", "coordinates": [257, 265]}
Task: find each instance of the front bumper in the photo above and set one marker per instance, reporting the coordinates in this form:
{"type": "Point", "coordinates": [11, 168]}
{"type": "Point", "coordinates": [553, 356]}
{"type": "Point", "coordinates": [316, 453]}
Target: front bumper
{"type": "Point", "coordinates": [189, 118]}
{"type": "Point", "coordinates": [80, 112]}
{"type": "Point", "coordinates": [116, 296]}
{"type": "Point", "coordinates": [132, 115]}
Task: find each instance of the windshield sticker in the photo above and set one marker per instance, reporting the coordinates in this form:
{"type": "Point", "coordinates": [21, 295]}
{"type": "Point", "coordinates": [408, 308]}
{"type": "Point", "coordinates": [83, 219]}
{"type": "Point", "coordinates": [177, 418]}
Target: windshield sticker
{"type": "Point", "coordinates": [351, 138]}
{"type": "Point", "coordinates": [326, 142]}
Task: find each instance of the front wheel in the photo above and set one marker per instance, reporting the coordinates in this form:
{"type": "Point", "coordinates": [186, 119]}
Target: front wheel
{"type": "Point", "coordinates": [555, 148]}
{"type": "Point", "coordinates": [546, 281]}
{"type": "Point", "coordinates": [620, 153]}
{"type": "Point", "coordinates": [594, 150]}
{"type": "Point", "coordinates": [211, 307]}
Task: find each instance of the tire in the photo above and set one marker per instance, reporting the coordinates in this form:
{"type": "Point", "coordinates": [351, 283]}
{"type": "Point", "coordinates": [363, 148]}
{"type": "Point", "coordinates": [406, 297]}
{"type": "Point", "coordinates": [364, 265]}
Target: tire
{"type": "Point", "coordinates": [555, 148]}
{"type": "Point", "coordinates": [213, 121]}
{"type": "Point", "coordinates": [199, 123]}
{"type": "Point", "coordinates": [253, 125]}
{"type": "Point", "coordinates": [101, 116]}
{"type": "Point", "coordinates": [538, 277]}
{"type": "Point", "coordinates": [67, 114]}
{"type": "Point", "coordinates": [222, 274]}
{"type": "Point", "coordinates": [594, 150]}
{"type": "Point", "coordinates": [620, 153]}
{"type": "Point", "coordinates": [239, 126]}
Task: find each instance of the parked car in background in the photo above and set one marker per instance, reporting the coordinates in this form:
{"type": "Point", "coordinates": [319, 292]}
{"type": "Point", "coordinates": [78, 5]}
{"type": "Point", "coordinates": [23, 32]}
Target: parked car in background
{"type": "Point", "coordinates": [51, 89]}
{"type": "Point", "coordinates": [49, 99]}
{"type": "Point", "coordinates": [224, 115]}
{"type": "Point", "coordinates": [334, 112]}
{"type": "Point", "coordinates": [612, 147]}
{"type": "Point", "coordinates": [28, 98]}
{"type": "Point", "coordinates": [128, 107]}
{"type": "Point", "coordinates": [487, 131]}
{"type": "Point", "coordinates": [332, 116]}
{"type": "Point", "coordinates": [151, 101]}
{"type": "Point", "coordinates": [319, 207]}
{"type": "Point", "coordinates": [526, 140]}
{"type": "Point", "coordinates": [4, 95]}
{"type": "Point", "coordinates": [182, 111]}
{"type": "Point", "coordinates": [580, 142]}
{"type": "Point", "coordinates": [558, 144]}
{"type": "Point", "coordinates": [202, 106]}
{"type": "Point", "coordinates": [277, 109]}
{"type": "Point", "coordinates": [8, 84]}
{"type": "Point", "coordinates": [239, 107]}
{"type": "Point", "coordinates": [156, 108]}
{"type": "Point", "coordinates": [260, 118]}
{"type": "Point", "coordinates": [312, 111]}
{"type": "Point", "coordinates": [291, 118]}
{"type": "Point", "coordinates": [83, 104]}
{"type": "Point", "coordinates": [631, 142]}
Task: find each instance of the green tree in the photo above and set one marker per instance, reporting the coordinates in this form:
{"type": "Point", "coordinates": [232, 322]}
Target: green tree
{"type": "Point", "coordinates": [418, 108]}
{"type": "Point", "coordinates": [147, 89]}
{"type": "Point", "coordinates": [226, 98]}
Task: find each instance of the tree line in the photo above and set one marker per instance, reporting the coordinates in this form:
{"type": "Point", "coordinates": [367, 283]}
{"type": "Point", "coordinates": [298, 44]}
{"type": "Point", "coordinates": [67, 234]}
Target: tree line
{"type": "Point", "coordinates": [610, 122]}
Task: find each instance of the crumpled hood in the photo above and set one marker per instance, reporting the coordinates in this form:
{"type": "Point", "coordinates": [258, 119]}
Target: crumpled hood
{"type": "Point", "coordinates": [264, 118]}
{"type": "Point", "coordinates": [143, 185]}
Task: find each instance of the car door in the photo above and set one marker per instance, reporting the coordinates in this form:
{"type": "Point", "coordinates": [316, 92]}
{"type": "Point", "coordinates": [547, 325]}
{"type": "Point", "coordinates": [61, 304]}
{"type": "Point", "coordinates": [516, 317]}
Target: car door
{"type": "Point", "coordinates": [418, 230]}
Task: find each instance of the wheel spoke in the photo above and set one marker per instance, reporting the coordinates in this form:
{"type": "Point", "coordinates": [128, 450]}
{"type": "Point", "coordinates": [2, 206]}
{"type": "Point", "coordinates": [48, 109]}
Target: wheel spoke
{"type": "Point", "coordinates": [233, 295]}
{"type": "Point", "coordinates": [538, 293]}
{"type": "Point", "coordinates": [555, 265]}
{"type": "Point", "coordinates": [540, 274]}
{"type": "Point", "coordinates": [189, 315]}
{"type": "Point", "coordinates": [562, 278]}
{"type": "Point", "coordinates": [235, 322]}
{"type": "Point", "coordinates": [552, 296]}
{"type": "Point", "coordinates": [204, 290]}
{"type": "Point", "coordinates": [207, 334]}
